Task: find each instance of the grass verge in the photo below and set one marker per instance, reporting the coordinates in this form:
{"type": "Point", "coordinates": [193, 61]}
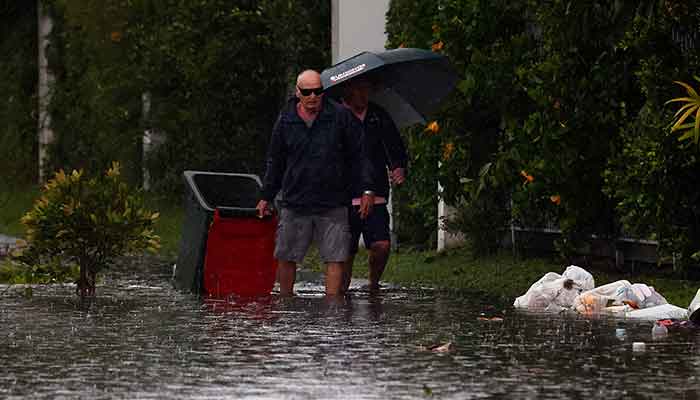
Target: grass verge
{"type": "Point", "coordinates": [501, 275]}
{"type": "Point", "coordinates": [14, 203]}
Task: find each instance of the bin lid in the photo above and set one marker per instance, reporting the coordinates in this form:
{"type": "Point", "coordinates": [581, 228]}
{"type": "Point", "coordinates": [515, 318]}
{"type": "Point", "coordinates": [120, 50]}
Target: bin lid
{"type": "Point", "coordinates": [220, 189]}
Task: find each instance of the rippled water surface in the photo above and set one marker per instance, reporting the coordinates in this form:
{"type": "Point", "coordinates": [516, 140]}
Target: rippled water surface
{"type": "Point", "coordinates": [142, 339]}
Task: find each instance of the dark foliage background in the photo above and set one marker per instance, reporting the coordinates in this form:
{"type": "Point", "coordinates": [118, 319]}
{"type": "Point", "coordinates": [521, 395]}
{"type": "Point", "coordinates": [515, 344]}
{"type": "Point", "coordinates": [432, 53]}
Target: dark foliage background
{"type": "Point", "coordinates": [559, 119]}
{"type": "Point", "coordinates": [214, 73]}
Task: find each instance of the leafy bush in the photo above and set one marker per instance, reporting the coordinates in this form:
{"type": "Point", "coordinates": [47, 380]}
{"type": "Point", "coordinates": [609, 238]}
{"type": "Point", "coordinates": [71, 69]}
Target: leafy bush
{"type": "Point", "coordinates": [18, 72]}
{"type": "Point", "coordinates": [216, 74]}
{"type": "Point", "coordinates": [52, 271]}
{"type": "Point", "coordinates": [558, 104]}
{"type": "Point", "coordinates": [89, 222]}
{"type": "Point", "coordinates": [652, 178]}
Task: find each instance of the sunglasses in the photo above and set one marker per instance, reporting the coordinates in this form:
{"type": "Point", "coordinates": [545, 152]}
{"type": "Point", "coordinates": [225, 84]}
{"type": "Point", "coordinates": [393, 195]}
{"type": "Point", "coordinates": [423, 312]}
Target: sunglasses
{"type": "Point", "coordinates": [307, 92]}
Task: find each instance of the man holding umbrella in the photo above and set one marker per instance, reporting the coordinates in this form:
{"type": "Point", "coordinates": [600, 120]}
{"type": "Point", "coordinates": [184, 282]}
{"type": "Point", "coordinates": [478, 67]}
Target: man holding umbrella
{"type": "Point", "coordinates": [386, 151]}
{"type": "Point", "coordinates": [315, 144]}
{"type": "Point", "coordinates": [409, 85]}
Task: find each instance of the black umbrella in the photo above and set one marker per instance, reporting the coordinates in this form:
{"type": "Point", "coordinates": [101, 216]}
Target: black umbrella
{"type": "Point", "coordinates": [410, 83]}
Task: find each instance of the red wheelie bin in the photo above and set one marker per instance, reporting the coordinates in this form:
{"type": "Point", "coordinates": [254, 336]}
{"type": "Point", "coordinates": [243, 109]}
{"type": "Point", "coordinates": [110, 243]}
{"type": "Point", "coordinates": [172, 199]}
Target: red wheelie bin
{"type": "Point", "coordinates": [225, 248]}
{"type": "Point", "coordinates": [239, 255]}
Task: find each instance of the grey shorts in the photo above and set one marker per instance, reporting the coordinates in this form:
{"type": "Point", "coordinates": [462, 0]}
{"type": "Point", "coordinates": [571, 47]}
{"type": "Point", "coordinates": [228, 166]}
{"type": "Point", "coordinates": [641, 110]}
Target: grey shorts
{"type": "Point", "coordinates": [329, 229]}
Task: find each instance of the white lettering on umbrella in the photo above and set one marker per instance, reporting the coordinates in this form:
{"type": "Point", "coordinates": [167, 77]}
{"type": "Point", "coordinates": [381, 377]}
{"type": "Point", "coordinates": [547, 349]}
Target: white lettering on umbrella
{"type": "Point", "coordinates": [351, 71]}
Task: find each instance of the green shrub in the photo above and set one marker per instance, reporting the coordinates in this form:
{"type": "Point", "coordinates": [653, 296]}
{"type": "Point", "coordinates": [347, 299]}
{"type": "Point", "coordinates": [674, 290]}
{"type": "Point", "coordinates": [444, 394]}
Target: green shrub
{"type": "Point", "coordinates": [52, 271]}
{"type": "Point", "coordinates": [552, 112]}
{"type": "Point", "coordinates": [89, 222]}
{"type": "Point", "coordinates": [215, 88]}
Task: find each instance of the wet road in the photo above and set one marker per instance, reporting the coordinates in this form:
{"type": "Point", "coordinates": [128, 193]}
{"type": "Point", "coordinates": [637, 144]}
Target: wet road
{"type": "Point", "coordinates": [142, 339]}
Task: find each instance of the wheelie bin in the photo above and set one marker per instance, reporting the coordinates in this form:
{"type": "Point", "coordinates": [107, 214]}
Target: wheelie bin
{"type": "Point", "coordinates": [225, 249]}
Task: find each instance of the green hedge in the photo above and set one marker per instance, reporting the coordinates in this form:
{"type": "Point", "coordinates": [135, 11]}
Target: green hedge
{"type": "Point", "coordinates": [560, 107]}
{"type": "Point", "coordinates": [18, 102]}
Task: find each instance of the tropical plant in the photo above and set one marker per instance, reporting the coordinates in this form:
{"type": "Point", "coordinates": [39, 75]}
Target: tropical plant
{"type": "Point", "coordinates": [689, 111]}
{"type": "Point", "coordinates": [557, 102]}
{"type": "Point", "coordinates": [89, 222]}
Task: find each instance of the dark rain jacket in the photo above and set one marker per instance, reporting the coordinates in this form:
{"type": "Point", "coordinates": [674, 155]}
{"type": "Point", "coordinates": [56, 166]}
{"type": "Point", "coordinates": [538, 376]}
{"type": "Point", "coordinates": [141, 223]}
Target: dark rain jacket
{"type": "Point", "coordinates": [385, 149]}
{"type": "Point", "coordinates": [311, 167]}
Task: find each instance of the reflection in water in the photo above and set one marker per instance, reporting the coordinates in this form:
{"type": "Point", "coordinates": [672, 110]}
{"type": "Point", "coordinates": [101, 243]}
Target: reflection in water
{"type": "Point", "coordinates": [142, 339]}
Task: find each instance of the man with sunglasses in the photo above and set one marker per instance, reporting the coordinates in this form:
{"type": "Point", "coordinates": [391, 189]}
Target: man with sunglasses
{"type": "Point", "coordinates": [314, 146]}
{"type": "Point", "coordinates": [387, 153]}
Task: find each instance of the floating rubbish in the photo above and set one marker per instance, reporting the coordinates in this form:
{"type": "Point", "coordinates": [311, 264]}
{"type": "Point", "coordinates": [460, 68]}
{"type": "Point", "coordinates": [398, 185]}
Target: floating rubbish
{"type": "Point", "coordinates": [659, 330]}
{"type": "Point", "coordinates": [639, 346]}
{"type": "Point", "coordinates": [664, 311]}
{"type": "Point", "coordinates": [554, 292]}
{"type": "Point", "coordinates": [694, 308]}
{"type": "Point", "coordinates": [620, 333]}
{"type": "Point", "coordinates": [441, 348]}
{"type": "Point", "coordinates": [492, 319]}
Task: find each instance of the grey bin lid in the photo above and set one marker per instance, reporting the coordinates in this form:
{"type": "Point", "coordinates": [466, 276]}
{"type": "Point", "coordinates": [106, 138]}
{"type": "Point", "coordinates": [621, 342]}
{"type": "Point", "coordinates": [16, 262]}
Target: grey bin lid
{"type": "Point", "coordinates": [237, 194]}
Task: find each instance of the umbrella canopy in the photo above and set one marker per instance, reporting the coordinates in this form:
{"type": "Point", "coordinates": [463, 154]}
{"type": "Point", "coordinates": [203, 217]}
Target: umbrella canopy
{"type": "Point", "coordinates": [409, 83]}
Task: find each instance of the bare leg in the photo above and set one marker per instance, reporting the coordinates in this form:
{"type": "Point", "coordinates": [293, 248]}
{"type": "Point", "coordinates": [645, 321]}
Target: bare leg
{"type": "Point", "coordinates": [286, 275]}
{"type": "Point", "coordinates": [378, 256]}
{"type": "Point", "coordinates": [347, 272]}
{"type": "Point", "coordinates": [334, 278]}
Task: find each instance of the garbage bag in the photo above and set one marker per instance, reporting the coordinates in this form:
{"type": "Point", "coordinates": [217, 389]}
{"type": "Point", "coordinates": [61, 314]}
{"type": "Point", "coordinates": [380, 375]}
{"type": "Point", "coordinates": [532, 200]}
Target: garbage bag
{"type": "Point", "coordinates": [664, 311]}
{"type": "Point", "coordinates": [647, 296]}
{"type": "Point", "coordinates": [580, 276]}
{"type": "Point", "coordinates": [614, 294]}
{"type": "Point", "coordinates": [525, 300]}
{"type": "Point", "coordinates": [554, 292]}
{"type": "Point", "coordinates": [693, 313]}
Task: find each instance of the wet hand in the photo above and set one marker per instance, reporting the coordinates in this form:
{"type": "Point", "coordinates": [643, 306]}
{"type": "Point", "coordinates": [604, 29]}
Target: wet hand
{"type": "Point", "coordinates": [397, 176]}
{"type": "Point", "coordinates": [263, 209]}
{"type": "Point", "coordinates": [366, 204]}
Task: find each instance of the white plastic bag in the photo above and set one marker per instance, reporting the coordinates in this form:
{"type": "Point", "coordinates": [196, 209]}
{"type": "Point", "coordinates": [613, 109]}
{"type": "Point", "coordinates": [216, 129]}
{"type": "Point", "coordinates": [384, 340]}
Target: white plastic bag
{"type": "Point", "coordinates": [596, 300]}
{"type": "Point", "coordinates": [664, 311]}
{"type": "Point", "coordinates": [524, 300]}
{"type": "Point", "coordinates": [554, 292]}
{"type": "Point", "coordinates": [580, 276]}
{"type": "Point", "coordinates": [693, 308]}
{"type": "Point", "coordinates": [647, 296]}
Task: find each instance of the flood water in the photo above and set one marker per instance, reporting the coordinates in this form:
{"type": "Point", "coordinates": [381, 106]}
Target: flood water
{"type": "Point", "coordinates": [141, 339]}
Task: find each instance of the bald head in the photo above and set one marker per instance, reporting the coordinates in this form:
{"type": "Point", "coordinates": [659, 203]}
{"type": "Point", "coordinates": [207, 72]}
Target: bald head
{"type": "Point", "coordinates": [309, 78]}
{"type": "Point", "coordinates": [309, 90]}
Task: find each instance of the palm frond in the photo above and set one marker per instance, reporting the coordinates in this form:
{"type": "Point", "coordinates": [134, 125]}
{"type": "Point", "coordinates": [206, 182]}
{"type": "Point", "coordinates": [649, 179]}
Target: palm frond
{"type": "Point", "coordinates": [688, 88]}
{"type": "Point", "coordinates": [687, 118]}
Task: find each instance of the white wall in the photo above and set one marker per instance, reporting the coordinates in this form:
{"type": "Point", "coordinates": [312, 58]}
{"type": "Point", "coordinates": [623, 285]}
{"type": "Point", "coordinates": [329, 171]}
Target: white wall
{"type": "Point", "coordinates": [357, 26]}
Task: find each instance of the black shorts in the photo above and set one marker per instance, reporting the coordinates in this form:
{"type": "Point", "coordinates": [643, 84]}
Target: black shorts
{"type": "Point", "coordinates": [374, 228]}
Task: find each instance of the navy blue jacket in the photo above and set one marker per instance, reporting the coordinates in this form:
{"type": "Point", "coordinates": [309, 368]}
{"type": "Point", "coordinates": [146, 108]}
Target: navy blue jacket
{"type": "Point", "coordinates": [312, 166]}
{"type": "Point", "coordinates": [385, 149]}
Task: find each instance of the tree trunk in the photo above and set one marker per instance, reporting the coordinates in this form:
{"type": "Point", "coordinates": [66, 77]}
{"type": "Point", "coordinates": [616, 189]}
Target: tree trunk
{"type": "Point", "coordinates": [45, 134]}
{"type": "Point", "coordinates": [86, 283]}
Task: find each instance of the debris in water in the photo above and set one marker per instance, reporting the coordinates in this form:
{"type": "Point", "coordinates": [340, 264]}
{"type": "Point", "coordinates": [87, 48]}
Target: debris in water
{"type": "Point", "coordinates": [492, 319]}
{"type": "Point", "coordinates": [659, 330]}
{"type": "Point", "coordinates": [441, 348]}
